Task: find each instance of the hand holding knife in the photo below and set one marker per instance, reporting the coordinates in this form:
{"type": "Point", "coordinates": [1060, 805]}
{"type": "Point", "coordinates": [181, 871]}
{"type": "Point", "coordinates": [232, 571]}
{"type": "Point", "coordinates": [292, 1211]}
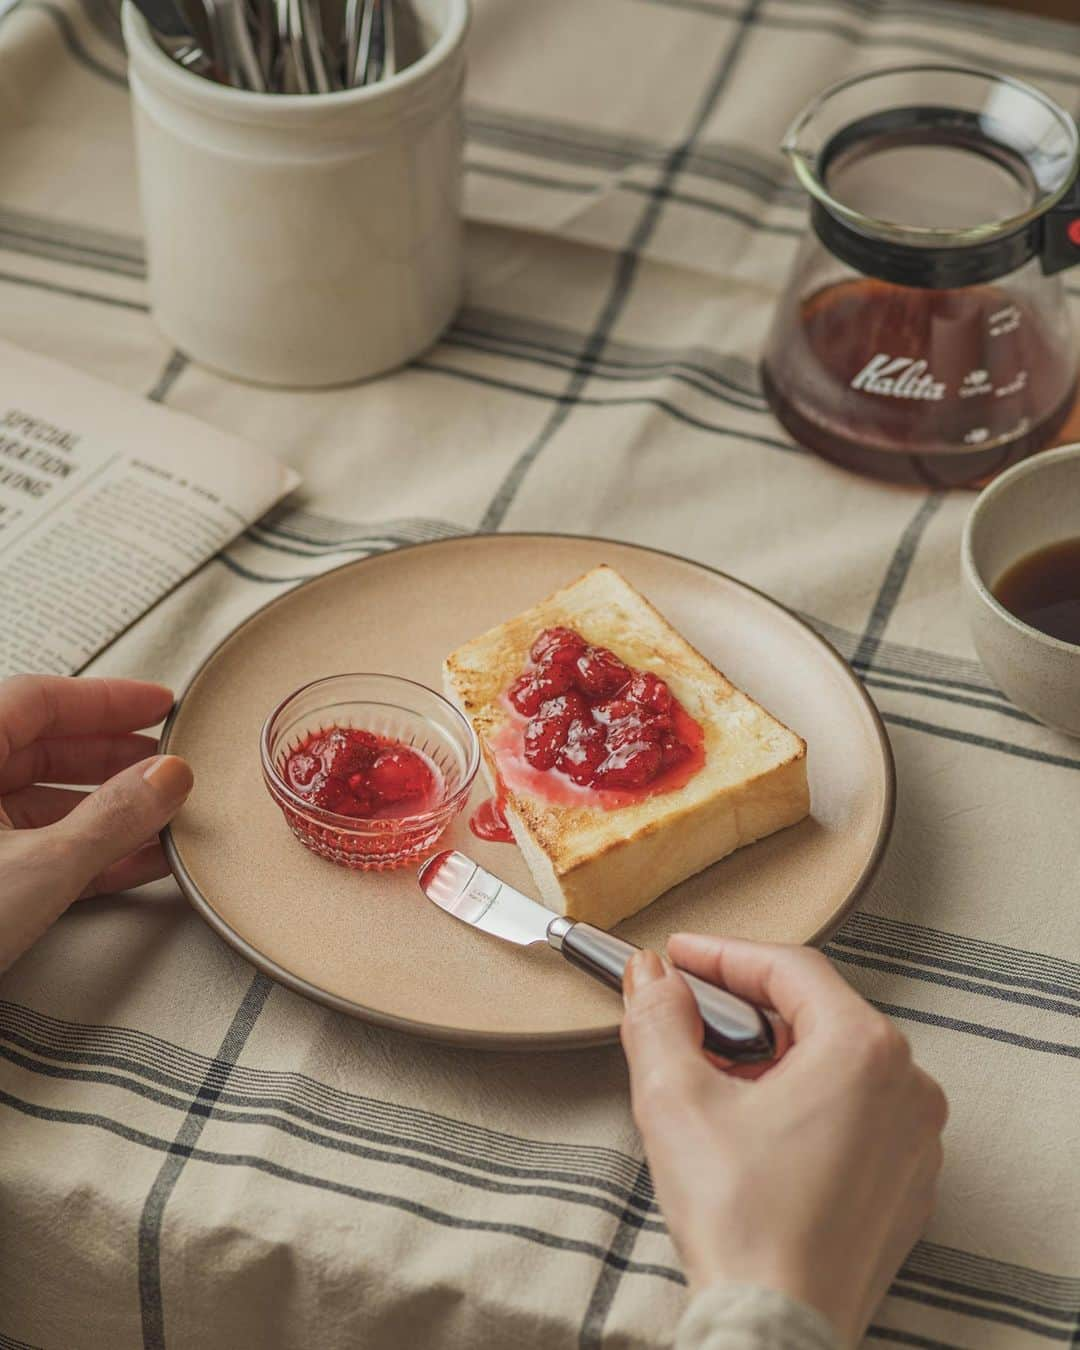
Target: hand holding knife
{"type": "Point", "coordinates": [734, 1029]}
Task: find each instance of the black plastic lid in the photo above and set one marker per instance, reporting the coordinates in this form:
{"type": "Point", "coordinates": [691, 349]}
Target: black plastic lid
{"type": "Point", "coordinates": [1054, 236]}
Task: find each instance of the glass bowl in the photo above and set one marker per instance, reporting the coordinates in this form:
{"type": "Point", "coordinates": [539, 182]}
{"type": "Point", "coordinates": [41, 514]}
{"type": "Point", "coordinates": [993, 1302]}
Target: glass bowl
{"type": "Point", "coordinates": [389, 706]}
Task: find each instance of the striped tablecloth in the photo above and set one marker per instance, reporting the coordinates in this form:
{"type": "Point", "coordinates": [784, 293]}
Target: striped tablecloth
{"type": "Point", "coordinates": [193, 1157]}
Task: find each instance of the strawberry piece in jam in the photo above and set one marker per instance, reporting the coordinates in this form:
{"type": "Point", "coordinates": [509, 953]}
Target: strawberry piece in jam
{"type": "Point", "coordinates": [600, 673]}
{"type": "Point", "coordinates": [398, 774]}
{"type": "Point", "coordinates": [346, 751]}
{"type": "Point", "coordinates": [600, 722]}
{"type": "Point", "coordinates": [356, 773]}
{"type": "Point", "coordinates": [583, 753]}
{"type": "Point", "coordinates": [559, 645]}
{"type": "Point", "coordinates": [650, 691]}
{"type": "Point", "coordinates": [632, 765]}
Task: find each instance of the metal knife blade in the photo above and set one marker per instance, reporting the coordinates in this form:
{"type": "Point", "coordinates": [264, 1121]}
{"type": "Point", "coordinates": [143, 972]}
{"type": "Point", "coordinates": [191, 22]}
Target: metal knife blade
{"type": "Point", "coordinates": [731, 1027]}
{"type": "Point", "coordinates": [465, 890]}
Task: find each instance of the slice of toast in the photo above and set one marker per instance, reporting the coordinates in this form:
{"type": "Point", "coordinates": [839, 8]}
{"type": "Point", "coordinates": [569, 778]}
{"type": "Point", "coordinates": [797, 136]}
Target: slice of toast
{"type": "Point", "coordinates": [603, 865]}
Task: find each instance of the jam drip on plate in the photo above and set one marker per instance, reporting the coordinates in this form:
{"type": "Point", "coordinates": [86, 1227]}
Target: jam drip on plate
{"type": "Point", "coordinates": [488, 821]}
{"type": "Point", "coordinates": [357, 773]}
{"type": "Point", "coordinates": [587, 729]}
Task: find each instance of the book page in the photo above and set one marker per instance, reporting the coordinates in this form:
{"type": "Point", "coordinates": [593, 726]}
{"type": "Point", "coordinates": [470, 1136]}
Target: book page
{"type": "Point", "coordinates": [107, 502]}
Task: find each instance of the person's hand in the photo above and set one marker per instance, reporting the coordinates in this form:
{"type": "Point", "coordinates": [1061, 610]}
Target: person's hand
{"type": "Point", "coordinates": [816, 1177]}
{"type": "Point", "coordinates": [55, 844]}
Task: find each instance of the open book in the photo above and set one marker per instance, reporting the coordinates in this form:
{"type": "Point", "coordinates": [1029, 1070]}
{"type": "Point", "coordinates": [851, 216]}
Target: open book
{"type": "Point", "coordinates": [107, 502]}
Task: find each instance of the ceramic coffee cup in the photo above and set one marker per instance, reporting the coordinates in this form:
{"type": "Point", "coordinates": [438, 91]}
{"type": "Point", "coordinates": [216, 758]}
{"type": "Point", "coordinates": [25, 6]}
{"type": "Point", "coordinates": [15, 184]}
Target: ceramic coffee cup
{"type": "Point", "coordinates": [1033, 505]}
{"type": "Point", "coordinates": [310, 239]}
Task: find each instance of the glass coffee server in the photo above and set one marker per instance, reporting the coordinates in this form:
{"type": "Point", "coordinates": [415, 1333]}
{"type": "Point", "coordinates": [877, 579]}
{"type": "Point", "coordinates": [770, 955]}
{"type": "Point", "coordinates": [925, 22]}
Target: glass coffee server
{"type": "Point", "coordinates": [923, 335]}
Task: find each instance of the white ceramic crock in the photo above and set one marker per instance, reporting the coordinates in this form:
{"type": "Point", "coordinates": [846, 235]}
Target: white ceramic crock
{"type": "Point", "coordinates": [303, 240]}
{"type": "Point", "coordinates": [1035, 504]}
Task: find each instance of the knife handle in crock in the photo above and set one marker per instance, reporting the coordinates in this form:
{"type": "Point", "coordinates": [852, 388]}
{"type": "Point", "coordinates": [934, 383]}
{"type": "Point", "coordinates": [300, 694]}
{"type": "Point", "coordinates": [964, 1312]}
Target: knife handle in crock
{"type": "Point", "coordinates": [734, 1029]}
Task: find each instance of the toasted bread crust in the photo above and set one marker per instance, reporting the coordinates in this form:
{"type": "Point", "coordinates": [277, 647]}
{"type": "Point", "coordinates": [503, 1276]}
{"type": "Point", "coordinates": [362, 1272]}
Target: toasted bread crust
{"type": "Point", "coordinates": [573, 846]}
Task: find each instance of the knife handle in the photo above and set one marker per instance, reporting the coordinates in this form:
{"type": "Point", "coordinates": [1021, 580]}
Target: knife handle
{"type": "Point", "coordinates": [734, 1029]}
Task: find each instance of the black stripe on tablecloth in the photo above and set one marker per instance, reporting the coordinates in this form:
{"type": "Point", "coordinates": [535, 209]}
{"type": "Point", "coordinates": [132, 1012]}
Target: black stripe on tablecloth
{"type": "Point", "coordinates": [385, 1152]}
{"type": "Point", "coordinates": [919, 663]}
{"type": "Point", "coordinates": [933, 1270]}
{"type": "Point", "coordinates": [898, 967]}
{"type": "Point", "coordinates": [998, 706]}
{"type": "Point", "coordinates": [682, 198]}
{"type": "Point", "coordinates": [744, 218]}
{"type": "Point", "coordinates": [105, 16]}
{"type": "Point", "coordinates": [897, 1337]}
{"type": "Point", "coordinates": [475, 377]}
{"type": "Point", "coordinates": [994, 968]}
{"type": "Point", "coordinates": [276, 1109]}
{"type": "Point", "coordinates": [177, 1153]}
{"type": "Point", "coordinates": [915, 677]}
{"type": "Point", "coordinates": [490, 381]}
{"type": "Point", "coordinates": [1068, 1051]}
{"type": "Point", "coordinates": [567, 400]}
{"type": "Point", "coordinates": [1019, 35]}
{"type": "Point", "coordinates": [621, 1246]}
{"type": "Point", "coordinates": [530, 179]}
{"type": "Point", "coordinates": [983, 742]}
{"type": "Point", "coordinates": [1050, 1293]}
{"type": "Point", "coordinates": [535, 137]}
{"type": "Point", "coordinates": [911, 669]}
{"type": "Point", "coordinates": [261, 578]}
{"type": "Point", "coordinates": [981, 1277]}
{"type": "Point", "coordinates": [903, 1288]}
{"type": "Point", "coordinates": [285, 533]}
{"type": "Point", "coordinates": [618, 1261]}
{"type": "Point", "coordinates": [1050, 1310]}
{"type": "Point", "coordinates": [1024, 29]}
{"type": "Point", "coordinates": [174, 367]}
{"type": "Point", "coordinates": [74, 292]}
{"type": "Point", "coordinates": [747, 219]}
{"type": "Point", "coordinates": [720, 375]}
{"type": "Point", "coordinates": [379, 1146]}
{"type": "Point", "coordinates": [74, 43]}
{"type": "Point", "coordinates": [895, 576]}
{"type": "Point", "coordinates": [319, 530]}
{"type": "Point", "coordinates": [865, 36]}
{"type": "Point", "coordinates": [9, 1343]}
{"type": "Point", "coordinates": [966, 956]}
{"type": "Point", "coordinates": [999, 1315]}
{"type": "Point", "coordinates": [83, 245]}
{"type": "Point", "coordinates": [626, 266]}
{"type": "Point", "coordinates": [465, 1143]}
{"type": "Point", "coordinates": [716, 374]}
{"type": "Point", "coordinates": [415, 1208]}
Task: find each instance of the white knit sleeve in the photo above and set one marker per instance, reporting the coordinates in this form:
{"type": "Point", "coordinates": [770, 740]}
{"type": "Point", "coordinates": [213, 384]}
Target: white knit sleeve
{"type": "Point", "coordinates": [749, 1317]}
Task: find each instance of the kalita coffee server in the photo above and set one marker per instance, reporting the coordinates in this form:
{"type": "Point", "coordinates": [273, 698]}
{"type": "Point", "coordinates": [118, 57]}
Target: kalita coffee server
{"type": "Point", "coordinates": [923, 335]}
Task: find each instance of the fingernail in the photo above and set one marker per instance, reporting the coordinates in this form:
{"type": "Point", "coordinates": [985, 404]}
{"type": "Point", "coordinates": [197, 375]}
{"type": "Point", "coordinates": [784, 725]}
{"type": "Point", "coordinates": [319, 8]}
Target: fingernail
{"type": "Point", "coordinates": [169, 776]}
{"type": "Point", "coordinates": [642, 968]}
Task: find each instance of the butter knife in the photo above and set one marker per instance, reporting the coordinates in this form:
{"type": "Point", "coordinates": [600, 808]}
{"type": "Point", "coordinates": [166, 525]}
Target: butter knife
{"type": "Point", "coordinates": [734, 1029]}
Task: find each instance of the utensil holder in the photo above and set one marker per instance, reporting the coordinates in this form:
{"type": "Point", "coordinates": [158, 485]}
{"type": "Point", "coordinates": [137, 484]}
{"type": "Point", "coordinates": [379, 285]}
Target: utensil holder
{"type": "Point", "coordinates": [303, 240]}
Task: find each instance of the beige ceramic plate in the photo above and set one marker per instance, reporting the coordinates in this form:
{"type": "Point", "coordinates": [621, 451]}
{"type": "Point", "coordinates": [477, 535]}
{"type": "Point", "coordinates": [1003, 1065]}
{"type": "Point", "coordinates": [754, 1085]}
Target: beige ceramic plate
{"type": "Point", "coordinates": [369, 943]}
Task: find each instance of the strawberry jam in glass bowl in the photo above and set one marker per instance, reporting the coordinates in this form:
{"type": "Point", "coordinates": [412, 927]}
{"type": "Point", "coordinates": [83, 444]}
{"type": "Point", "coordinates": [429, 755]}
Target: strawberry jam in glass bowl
{"type": "Point", "coordinates": [586, 728]}
{"type": "Point", "coordinates": [368, 770]}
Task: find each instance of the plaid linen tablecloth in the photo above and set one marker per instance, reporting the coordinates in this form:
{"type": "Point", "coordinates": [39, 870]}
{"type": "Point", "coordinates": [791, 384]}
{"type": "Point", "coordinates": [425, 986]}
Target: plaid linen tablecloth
{"type": "Point", "coordinates": [191, 1156]}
